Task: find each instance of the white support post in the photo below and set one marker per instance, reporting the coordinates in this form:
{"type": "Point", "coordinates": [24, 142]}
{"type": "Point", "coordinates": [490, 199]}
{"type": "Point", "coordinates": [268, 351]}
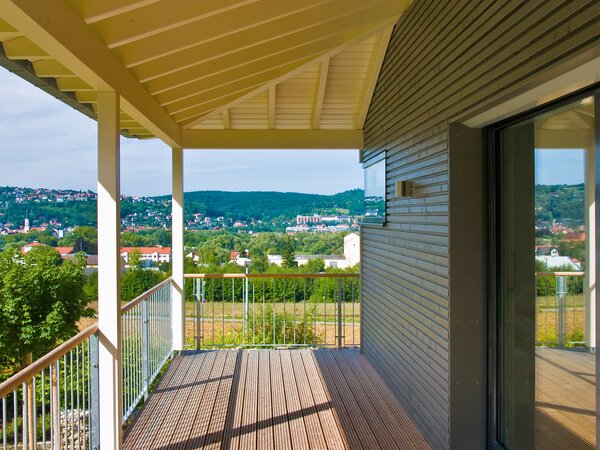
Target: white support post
{"type": "Point", "coordinates": [178, 312]}
{"type": "Point", "coordinates": [590, 250]}
{"type": "Point", "coordinates": [109, 272]}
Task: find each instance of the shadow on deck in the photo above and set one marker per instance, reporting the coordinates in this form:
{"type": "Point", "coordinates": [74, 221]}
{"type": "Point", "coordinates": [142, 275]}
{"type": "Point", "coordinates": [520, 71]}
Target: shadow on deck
{"type": "Point", "coordinates": [279, 399]}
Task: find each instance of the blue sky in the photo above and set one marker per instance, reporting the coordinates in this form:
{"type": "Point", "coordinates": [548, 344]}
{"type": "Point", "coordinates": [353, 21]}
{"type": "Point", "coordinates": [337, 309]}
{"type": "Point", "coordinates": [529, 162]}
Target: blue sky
{"type": "Point", "coordinates": [44, 143]}
{"type": "Point", "coordinates": [559, 166]}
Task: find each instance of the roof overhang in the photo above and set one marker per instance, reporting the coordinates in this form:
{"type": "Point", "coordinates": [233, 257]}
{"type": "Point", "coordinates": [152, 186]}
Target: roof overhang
{"type": "Point", "coordinates": [227, 74]}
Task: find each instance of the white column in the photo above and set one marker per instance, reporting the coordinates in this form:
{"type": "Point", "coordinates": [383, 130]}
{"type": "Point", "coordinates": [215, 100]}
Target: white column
{"type": "Point", "coordinates": [590, 250]}
{"type": "Point", "coordinates": [178, 312]}
{"type": "Point", "coordinates": [109, 271]}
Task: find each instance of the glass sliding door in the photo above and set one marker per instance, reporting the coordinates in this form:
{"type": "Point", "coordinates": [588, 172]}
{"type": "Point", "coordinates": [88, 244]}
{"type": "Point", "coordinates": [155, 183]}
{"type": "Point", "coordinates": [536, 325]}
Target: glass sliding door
{"type": "Point", "coordinates": [544, 313]}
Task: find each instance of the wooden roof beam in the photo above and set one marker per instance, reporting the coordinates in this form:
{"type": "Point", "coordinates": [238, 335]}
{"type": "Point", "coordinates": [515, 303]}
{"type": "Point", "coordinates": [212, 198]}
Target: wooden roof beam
{"type": "Point", "coordinates": [226, 120]}
{"type": "Point", "coordinates": [92, 11]}
{"type": "Point", "coordinates": [194, 34]}
{"type": "Point", "coordinates": [54, 26]}
{"type": "Point", "coordinates": [263, 39]}
{"type": "Point", "coordinates": [271, 120]}
{"type": "Point", "coordinates": [272, 139]}
{"type": "Point", "coordinates": [161, 17]}
{"type": "Point", "coordinates": [320, 94]}
{"type": "Point", "coordinates": [199, 115]}
{"type": "Point", "coordinates": [23, 48]}
{"type": "Point", "coordinates": [369, 86]}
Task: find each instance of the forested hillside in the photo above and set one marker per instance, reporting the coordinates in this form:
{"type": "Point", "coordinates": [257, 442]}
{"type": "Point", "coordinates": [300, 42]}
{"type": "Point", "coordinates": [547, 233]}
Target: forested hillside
{"type": "Point", "coordinates": [560, 202]}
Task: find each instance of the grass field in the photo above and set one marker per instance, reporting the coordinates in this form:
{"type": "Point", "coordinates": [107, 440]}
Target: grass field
{"type": "Point", "coordinates": [324, 312]}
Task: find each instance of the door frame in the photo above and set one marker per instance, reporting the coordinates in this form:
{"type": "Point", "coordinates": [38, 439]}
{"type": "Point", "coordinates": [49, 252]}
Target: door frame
{"type": "Point", "coordinates": [492, 193]}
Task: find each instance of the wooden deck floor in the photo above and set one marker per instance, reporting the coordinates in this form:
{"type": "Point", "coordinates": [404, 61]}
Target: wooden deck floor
{"type": "Point", "coordinates": [272, 399]}
{"type": "Point", "coordinates": [565, 399]}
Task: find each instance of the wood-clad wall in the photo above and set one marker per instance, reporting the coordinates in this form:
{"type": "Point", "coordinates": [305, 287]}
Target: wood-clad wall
{"type": "Point", "coordinates": [446, 59]}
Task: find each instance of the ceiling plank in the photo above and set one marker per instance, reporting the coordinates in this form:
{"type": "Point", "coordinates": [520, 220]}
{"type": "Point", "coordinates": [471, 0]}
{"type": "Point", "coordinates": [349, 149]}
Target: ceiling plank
{"type": "Point", "coordinates": [56, 27]}
{"type": "Point", "coordinates": [371, 81]}
{"type": "Point", "coordinates": [189, 123]}
{"type": "Point", "coordinates": [218, 27]}
{"type": "Point", "coordinates": [272, 139]}
{"type": "Point", "coordinates": [272, 93]}
{"type": "Point", "coordinates": [320, 94]}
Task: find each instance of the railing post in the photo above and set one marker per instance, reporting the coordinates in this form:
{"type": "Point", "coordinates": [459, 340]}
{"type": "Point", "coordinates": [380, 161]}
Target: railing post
{"type": "Point", "coordinates": [199, 299]}
{"type": "Point", "coordinates": [561, 310]}
{"type": "Point", "coordinates": [94, 393]}
{"type": "Point", "coordinates": [339, 314]}
{"type": "Point", "coordinates": [145, 374]}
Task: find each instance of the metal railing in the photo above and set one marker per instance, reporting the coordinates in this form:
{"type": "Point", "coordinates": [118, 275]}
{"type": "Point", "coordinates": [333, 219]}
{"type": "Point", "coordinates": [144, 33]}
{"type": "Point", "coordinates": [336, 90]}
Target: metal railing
{"type": "Point", "coordinates": [54, 404]}
{"type": "Point", "coordinates": [146, 342]}
{"type": "Point", "coordinates": [51, 403]}
{"type": "Point", "coordinates": [273, 310]}
{"type": "Point", "coordinates": [560, 308]}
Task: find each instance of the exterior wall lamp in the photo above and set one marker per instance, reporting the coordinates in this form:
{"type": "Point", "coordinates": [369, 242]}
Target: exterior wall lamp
{"type": "Point", "coordinates": [404, 189]}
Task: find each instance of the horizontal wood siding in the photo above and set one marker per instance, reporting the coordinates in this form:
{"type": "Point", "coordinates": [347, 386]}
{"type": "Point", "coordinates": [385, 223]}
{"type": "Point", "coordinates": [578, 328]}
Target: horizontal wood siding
{"type": "Point", "coordinates": [445, 60]}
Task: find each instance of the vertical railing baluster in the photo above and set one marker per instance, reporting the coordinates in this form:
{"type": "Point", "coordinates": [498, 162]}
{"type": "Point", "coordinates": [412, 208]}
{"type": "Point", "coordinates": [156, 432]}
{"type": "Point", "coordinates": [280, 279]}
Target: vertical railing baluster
{"type": "Point", "coordinates": [94, 393]}
{"type": "Point", "coordinates": [145, 348]}
{"type": "Point", "coordinates": [25, 419]}
{"type": "Point", "coordinates": [44, 409]}
{"type": "Point", "coordinates": [4, 434]}
{"type": "Point", "coordinates": [561, 310]}
{"type": "Point", "coordinates": [339, 313]}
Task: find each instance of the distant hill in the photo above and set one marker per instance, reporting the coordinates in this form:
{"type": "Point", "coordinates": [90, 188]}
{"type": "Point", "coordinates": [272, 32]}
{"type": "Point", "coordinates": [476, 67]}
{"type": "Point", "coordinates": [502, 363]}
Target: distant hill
{"type": "Point", "coordinates": [270, 205]}
{"type": "Point", "coordinates": [561, 202]}
{"type": "Point", "coordinates": [70, 208]}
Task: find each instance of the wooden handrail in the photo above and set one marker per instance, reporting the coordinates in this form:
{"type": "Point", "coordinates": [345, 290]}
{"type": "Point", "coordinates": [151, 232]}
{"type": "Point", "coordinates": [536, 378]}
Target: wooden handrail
{"type": "Point", "coordinates": [145, 295]}
{"type": "Point", "coordinates": [272, 275]}
{"type": "Point", "coordinates": [33, 369]}
{"type": "Point", "coordinates": [560, 274]}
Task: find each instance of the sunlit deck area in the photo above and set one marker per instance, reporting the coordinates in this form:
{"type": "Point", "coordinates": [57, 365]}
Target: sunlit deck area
{"type": "Point", "coordinates": [296, 399]}
{"type": "Point", "coordinates": [565, 399]}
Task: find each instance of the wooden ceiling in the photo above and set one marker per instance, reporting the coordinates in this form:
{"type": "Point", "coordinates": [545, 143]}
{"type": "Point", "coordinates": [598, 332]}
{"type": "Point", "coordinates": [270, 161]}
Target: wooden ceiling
{"type": "Point", "coordinates": [213, 74]}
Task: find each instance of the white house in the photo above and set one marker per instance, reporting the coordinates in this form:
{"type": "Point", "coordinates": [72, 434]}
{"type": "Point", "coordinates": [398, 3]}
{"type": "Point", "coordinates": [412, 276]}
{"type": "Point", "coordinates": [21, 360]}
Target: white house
{"type": "Point", "coordinates": [352, 249]}
{"type": "Point", "coordinates": [554, 262]}
{"type": "Point", "coordinates": [154, 254]}
{"type": "Point", "coordinates": [350, 257]}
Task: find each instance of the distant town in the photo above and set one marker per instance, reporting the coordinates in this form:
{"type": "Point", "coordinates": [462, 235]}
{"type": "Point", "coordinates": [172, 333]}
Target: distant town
{"type": "Point", "coordinates": [60, 211]}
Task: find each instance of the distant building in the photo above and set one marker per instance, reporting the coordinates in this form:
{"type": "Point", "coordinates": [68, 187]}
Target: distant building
{"type": "Point", "coordinates": [300, 220]}
{"type": "Point", "coordinates": [352, 249]}
{"type": "Point", "coordinates": [331, 261]}
{"type": "Point", "coordinates": [546, 250]}
{"type": "Point", "coordinates": [555, 262]}
{"type": "Point", "coordinates": [350, 257]}
{"type": "Point", "coordinates": [154, 254]}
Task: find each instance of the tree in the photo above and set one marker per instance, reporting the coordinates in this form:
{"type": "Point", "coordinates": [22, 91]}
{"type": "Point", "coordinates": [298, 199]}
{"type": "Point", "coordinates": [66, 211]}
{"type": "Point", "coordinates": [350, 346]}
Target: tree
{"type": "Point", "coordinates": [41, 300]}
{"type": "Point", "coordinates": [288, 254]}
{"type": "Point", "coordinates": [137, 281]}
{"type": "Point", "coordinates": [135, 259]}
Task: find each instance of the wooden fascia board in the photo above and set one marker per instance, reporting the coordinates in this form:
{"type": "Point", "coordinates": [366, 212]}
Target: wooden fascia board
{"type": "Point", "coordinates": [272, 139]}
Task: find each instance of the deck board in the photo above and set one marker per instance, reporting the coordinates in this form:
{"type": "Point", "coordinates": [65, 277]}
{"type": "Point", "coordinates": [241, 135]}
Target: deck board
{"type": "Point", "coordinates": [271, 399]}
